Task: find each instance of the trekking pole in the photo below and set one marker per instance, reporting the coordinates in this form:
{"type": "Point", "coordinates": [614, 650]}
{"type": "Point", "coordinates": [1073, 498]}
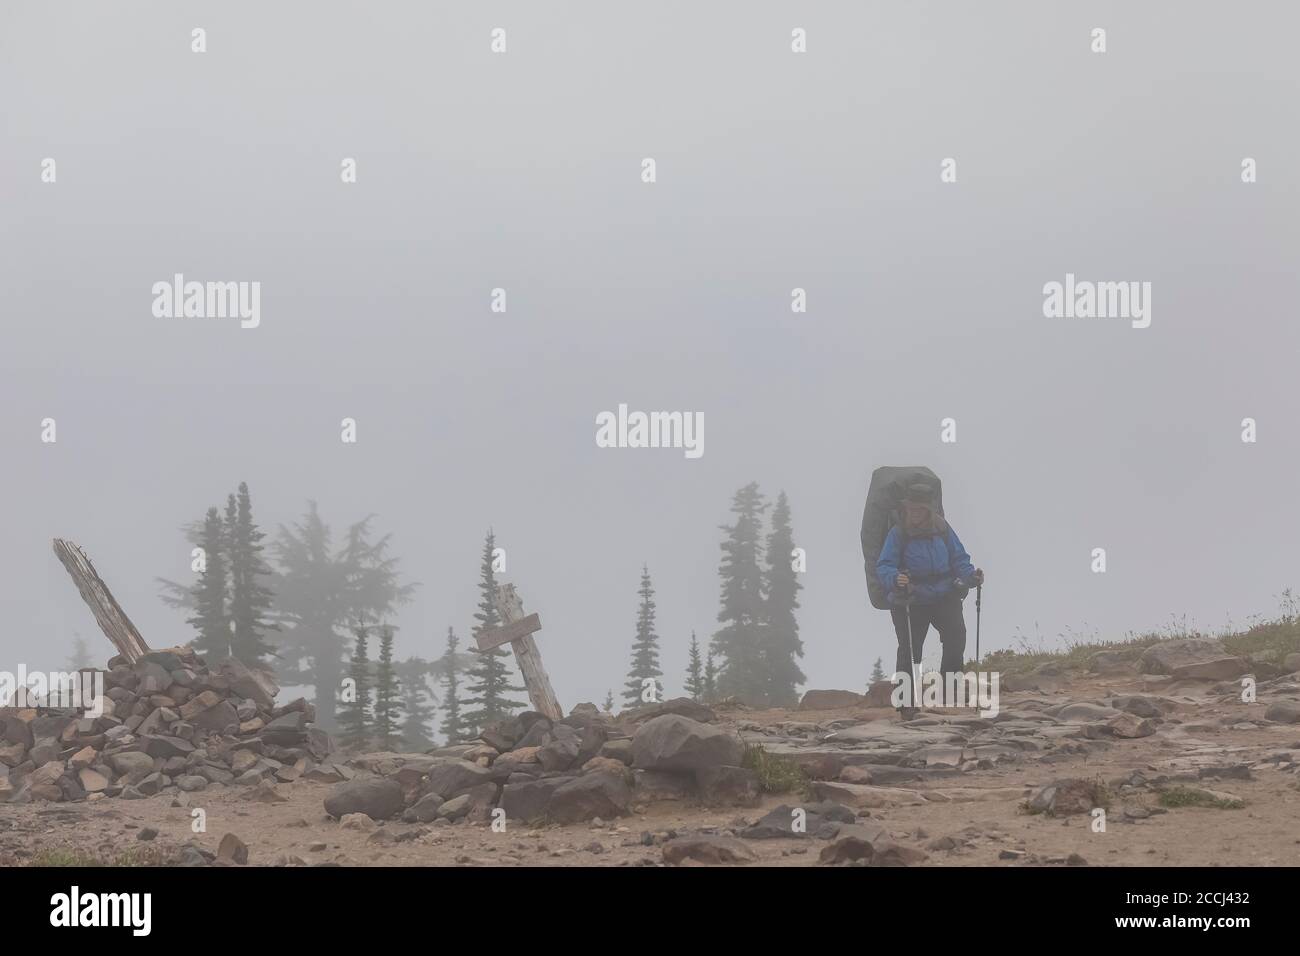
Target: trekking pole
{"type": "Point", "coordinates": [911, 652]}
{"type": "Point", "coordinates": [979, 594]}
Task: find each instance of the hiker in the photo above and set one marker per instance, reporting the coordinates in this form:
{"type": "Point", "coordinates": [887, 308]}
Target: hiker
{"type": "Point", "coordinates": [926, 573]}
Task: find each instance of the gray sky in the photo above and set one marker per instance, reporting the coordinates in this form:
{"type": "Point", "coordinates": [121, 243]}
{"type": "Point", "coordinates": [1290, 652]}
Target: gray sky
{"type": "Point", "coordinates": [775, 170]}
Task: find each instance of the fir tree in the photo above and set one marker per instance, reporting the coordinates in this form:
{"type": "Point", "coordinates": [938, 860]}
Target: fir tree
{"type": "Point", "coordinates": [453, 726]}
{"type": "Point", "coordinates": [211, 613]}
{"type": "Point", "coordinates": [250, 599]}
{"type": "Point", "coordinates": [355, 714]}
{"type": "Point", "coordinates": [320, 591]}
{"type": "Point", "coordinates": [781, 644]}
{"type": "Point", "coordinates": [710, 679]}
{"type": "Point", "coordinates": [417, 704]}
{"type": "Point", "coordinates": [740, 642]}
{"type": "Point", "coordinates": [645, 649]}
{"type": "Point", "coordinates": [878, 671]}
{"type": "Point", "coordinates": [695, 671]}
{"type": "Point", "coordinates": [386, 693]}
{"type": "Point", "coordinates": [609, 702]}
{"type": "Point", "coordinates": [491, 674]}
{"type": "Point", "coordinates": [80, 654]}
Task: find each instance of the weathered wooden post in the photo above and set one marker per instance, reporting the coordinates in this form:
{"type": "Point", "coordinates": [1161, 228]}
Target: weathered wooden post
{"type": "Point", "coordinates": [517, 631]}
{"type": "Point", "coordinates": [108, 613]}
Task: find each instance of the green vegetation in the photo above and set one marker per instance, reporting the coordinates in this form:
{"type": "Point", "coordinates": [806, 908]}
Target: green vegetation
{"type": "Point", "coordinates": [776, 774]}
{"type": "Point", "coordinates": [1180, 796]}
{"type": "Point", "coordinates": [1264, 639]}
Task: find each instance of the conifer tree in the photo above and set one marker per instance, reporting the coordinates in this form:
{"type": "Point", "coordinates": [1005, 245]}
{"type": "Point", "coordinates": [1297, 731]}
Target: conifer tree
{"type": "Point", "coordinates": [80, 654]}
{"type": "Point", "coordinates": [453, 726]}
{"type": "Point", "coordinates": [710, 679]}
{"type": "Point", "coordinates": [645, 649]}
{"type": "Point", "coordinates": [211, 612]}
{"type": "Point", "coordinates": [250, 598]}
{"type": "Point", "coordinates": [320, 592]}
{"type": "Point", "coordinates": [417, 708]}
{"type": "Point", "coordinates": [781, 644]}
{"type": "Point", "coordinates": [386, 693]}
{"type": "Point", "coordinates": [491, 674]}
{"type": "Point", "coordinates": [695, 671]}
{"type": "Point", "coordinates": [742, 671]}
{"type": "Point", "coordinates": [609, 702]}
{"type": "Point", "coordinates": [878, 671]}
{"type": "Point", "coordinates": [354, 711]}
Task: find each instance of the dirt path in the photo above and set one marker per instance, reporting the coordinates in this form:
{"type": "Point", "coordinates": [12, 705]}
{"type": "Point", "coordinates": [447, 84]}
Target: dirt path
{"type": "Point", "coordinates": [1201, 739]}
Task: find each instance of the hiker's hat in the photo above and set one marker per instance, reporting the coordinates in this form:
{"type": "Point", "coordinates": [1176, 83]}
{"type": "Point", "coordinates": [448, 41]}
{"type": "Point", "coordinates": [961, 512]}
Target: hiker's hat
{"type": "Point", "coordinates": [920, 493]}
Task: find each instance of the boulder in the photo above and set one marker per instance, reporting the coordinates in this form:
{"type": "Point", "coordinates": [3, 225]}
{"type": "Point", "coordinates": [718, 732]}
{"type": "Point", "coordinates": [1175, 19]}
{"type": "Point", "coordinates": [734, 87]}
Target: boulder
{"type": "Point", "coordinates": [232, 850]}
{"type": "Point", "coordinates": [92, 781]}
{"type": "Point", "coordinates": [1064, 798]}
{"type": "Point", "coordinates": [424, 810]}
{"type": "Point", "coordinates": [454, 777]}
{"type": "Point", "coordinates": [1218, 668]}
{"type": "Point", "coordinates": [880, 694]}
{"type": "Point", "coordinates": [781, 821]}
{"type": "Point", "coordinates": [377, 797]}
{"type": "Point", "coordinates": [599, 794]}
{"type": "Point", "coordinates": [831, 700]}
{"type": "Point", "coordinates": [132, 764]}
{"type": "Point", "coordinates": [619, 749]}
{"type": "Point", "coordinates": [255, 685]}
{"type": "Point", "coordinates": [705, 848]}
{"type": "Point", "coordinates": [681, 706]}
{"type": "Point", "coordinates": [728, 786]}
{"type": "Point", "coordinates": [655, 785]}
{"type": "Point", "coordinates": [1164, 657]}
{"type": "Point", "coordinates": [1283, 712]}
{"type": "Point", "coordinates": [527, 802]}
{"type": "Point", "coordinates": [674, 742]}
{"type": "Point", "coordinates": [868, 843]}
{"type": "Point", "coordinates": [218, 719]}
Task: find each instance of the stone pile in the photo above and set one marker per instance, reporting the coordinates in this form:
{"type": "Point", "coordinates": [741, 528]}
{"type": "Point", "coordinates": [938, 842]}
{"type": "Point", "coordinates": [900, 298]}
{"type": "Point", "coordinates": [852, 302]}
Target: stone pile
{"type": "Point", "coordinates": [588, 765]}
{"type": "Point", "coordinates": [170, 723]}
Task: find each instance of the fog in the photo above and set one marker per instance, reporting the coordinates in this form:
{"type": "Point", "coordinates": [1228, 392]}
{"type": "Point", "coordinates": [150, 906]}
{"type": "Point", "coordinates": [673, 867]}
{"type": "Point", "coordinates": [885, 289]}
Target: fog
{"type": "Point", "coordinates": [775, 171]}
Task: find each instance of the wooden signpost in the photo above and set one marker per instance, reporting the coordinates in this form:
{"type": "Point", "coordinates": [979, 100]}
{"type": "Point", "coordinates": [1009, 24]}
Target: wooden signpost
{"type": "Point", "coordinates": [517, 631]}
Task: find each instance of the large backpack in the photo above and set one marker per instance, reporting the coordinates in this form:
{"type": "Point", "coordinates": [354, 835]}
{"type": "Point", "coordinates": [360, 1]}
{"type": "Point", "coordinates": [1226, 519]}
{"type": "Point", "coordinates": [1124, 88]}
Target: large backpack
{"type": "Point", "coordinates": [884, 498]}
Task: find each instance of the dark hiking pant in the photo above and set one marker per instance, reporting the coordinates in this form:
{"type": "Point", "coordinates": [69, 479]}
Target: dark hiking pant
{"type": "Point", "coordinates": [946, 616]}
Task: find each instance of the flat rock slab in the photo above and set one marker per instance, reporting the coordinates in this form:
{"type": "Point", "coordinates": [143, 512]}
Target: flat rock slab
{"type": "Point", "coordinates": [1219, 668]}
{"type": "Point", "coordinates": [831, 700]}
{"type": "Point", "coordinates": [888, 734]}
{"type": "Point", "coordinates": [866, 796]}
{"type": "Point", "coordinates": [975, 794]}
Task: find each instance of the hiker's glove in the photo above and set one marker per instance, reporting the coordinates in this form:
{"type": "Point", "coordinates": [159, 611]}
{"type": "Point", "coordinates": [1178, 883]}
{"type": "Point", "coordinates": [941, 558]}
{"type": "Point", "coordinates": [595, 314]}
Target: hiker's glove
{"type": "Point", "coordinates": [902, 582]}
{"type": "Point", "coordinates": [978, 577]}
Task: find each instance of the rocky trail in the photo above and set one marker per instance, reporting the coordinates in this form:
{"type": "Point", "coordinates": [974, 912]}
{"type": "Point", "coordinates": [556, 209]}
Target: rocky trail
{"type": "Point", "coordinates": [1185, 771]}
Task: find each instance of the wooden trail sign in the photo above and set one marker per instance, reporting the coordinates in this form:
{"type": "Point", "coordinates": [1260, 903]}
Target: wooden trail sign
{"type": "Point", "coordinates": [517, 631]}
{"type": "Point", "coordinates": [112, 620]}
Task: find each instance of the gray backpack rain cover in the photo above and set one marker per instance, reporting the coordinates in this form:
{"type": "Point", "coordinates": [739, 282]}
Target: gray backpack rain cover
{"type": "Point", "coordinates": [888, 485]}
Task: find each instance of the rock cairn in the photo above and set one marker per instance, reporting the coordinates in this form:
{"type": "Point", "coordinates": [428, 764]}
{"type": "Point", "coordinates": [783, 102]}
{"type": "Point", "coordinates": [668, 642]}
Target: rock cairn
{"type": "Point", "coordinates": [170, 723]}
